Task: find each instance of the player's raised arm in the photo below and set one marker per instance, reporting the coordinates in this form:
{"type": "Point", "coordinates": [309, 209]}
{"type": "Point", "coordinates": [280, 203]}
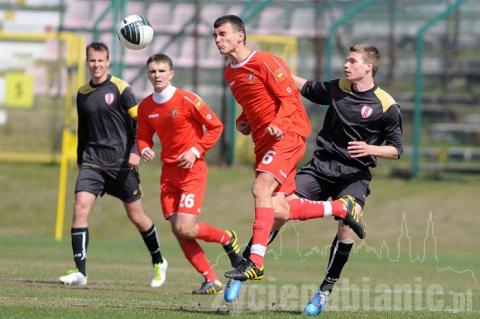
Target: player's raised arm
{"type": "Point", "coordinates": [299, 82]}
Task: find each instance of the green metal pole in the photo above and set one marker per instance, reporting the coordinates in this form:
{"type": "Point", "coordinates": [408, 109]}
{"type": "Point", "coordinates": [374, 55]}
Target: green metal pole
{"type": "Point", "coordinates": [121, 49]}
{"type": "Point", "coordinates": [255, 9]}
{"type": "Point", "coordinates": [333, 28]}
{"type": "Point", "coordinates": [232, 129]}
{"type": "Point", "coordinates": [417, 113]}
{"type": "Point", "coordinates": [114, 49]}
{"type": "Point", "coordinates": [96, 34]}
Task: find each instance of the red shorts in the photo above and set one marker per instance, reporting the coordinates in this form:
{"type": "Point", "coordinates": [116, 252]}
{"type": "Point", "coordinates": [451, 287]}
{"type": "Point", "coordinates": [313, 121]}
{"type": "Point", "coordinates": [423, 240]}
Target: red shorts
{"type": "Point", "coordinates": [280, 159]}
{"type": "Point", "coordinates": [181, 190]}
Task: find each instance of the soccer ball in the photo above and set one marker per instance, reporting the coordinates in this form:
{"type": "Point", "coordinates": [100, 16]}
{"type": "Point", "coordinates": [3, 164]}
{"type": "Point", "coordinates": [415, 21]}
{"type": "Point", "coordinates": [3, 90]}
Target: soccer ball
{"type": "Point", "coordinates": [135, 32]}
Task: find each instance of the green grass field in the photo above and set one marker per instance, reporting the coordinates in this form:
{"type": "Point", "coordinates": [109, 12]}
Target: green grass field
{"type": "Point", "coordinates": [420, 258]}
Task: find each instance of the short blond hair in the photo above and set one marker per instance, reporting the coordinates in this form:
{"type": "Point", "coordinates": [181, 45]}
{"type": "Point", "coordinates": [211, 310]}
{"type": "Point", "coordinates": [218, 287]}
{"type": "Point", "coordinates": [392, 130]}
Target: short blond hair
{"type": "Point", "coordinates": [370, 54]}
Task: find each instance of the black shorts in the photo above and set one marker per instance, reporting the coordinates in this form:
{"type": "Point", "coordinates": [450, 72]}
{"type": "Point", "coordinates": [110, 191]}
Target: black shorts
{"type": "Point", "coordinates": [313, 185]}
{"type": "Point", "coordinates": [123, 184]}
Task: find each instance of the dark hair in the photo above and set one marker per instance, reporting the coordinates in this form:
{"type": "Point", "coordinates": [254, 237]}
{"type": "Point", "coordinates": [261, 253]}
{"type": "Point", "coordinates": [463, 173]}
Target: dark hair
{"type": "Point", "coordinates": [160, 57]}
{"type": "Point", "coordinates": [97, 46]}
{"type": "Point", "coordinates": [369, 53]}
{"type": "Point", "coordinates": [236, 23]}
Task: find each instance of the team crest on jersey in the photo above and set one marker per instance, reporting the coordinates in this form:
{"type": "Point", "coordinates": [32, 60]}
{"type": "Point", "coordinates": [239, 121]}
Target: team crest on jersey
{"type": "Point", "coordinates": [173, 113]}
{"type": "Point", "coordinates": [366, 111]}
{"type": "Point", "coordinates": [279, 75]}
{"type": "Point", "coordinates": [109, 97]}
{"type": "Point", "coordinates": [198, 103]}
{"type": "Point", "coordinates": [250, 78]}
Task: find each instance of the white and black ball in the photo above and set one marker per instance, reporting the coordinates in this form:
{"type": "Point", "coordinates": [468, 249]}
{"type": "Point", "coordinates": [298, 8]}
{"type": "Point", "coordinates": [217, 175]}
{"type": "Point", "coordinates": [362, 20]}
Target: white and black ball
{"type": "Point", "coordinates": [135, 32]}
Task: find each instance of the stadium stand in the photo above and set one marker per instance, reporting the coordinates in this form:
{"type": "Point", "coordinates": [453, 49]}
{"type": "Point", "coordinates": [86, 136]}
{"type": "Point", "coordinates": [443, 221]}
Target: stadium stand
{"type": "Point", "coordinates": [38, 72]}
{"type": "Point", "coordinates": [186, 57]}
{"type": "Point", "coordinates": [159, 14]}
{"type": "Point", "coordinates": [463, 133]}
{"type": "Point", "coordinates": [209, 57]}
{"type": "Point", "coordinates": [182, 13]}
{"type": "Point", "coordinates": [78, 15]}
{"type": "Point", "coordinates": [136, 7]}
{"type": "Point", "coordinates": [272, 20]}
{"type": "Point", "coordinates": [163, 44]}
{"type": "Point", "coordinates": [450, 80]}
{"type": "Point", "coordinates": [30, 21]}
{"type": "Point", "coordinates": [302, 22]}
{"type": "Point", "coordinates": [208, 14]}
{"type": "Point", "coordinates": [235, 9]}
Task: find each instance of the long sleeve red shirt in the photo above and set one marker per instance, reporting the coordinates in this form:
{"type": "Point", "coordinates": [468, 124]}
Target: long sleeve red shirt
{"type": "Point", "coordinates": [182, 122]}
{"type": "Point", "coordinates": [263, 85]}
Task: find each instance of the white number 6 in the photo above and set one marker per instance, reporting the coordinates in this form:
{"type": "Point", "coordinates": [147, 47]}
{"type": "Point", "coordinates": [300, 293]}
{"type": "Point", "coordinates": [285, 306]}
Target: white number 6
{"type": "Point", "coordinates": [268, 157]}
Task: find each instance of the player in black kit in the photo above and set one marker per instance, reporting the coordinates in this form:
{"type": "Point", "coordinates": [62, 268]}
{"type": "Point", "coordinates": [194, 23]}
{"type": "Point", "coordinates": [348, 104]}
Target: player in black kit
{"type": "Point", "coordinates": [108, 159]}
{"type": "Point", "coordinates": [362, 123]}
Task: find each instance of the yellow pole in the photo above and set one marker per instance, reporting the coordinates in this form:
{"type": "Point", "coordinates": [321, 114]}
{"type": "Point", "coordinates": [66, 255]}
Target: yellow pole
{"type": "Point", "coordinates": [62, 187]}
{"type": "Point", "coordinates": [75, 46]}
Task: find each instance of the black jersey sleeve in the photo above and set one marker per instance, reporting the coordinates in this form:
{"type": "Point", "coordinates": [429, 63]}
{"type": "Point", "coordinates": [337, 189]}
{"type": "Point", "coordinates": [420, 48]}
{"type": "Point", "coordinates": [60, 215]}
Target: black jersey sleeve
{"type": "Point", "coordinates": [316, 91]}
{"type": "Point", "coordinates": [392, 123]}
{"type": "Point", "coordinates": [82, 132]}
{"type": "Point", "coordinates": [129, 103]}
{"type": "Point", "coordinates": [134, 130]}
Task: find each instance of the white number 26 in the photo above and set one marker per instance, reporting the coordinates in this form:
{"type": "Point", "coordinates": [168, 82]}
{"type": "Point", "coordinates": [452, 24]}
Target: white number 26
{"type": "Point", "coordinates": [187, 200]}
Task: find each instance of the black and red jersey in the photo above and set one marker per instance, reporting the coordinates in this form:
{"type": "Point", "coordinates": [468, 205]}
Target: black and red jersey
{"type": "Point", "coordinates": [372, 116]}
{"type": "Point", "coordinates": [106, 123]}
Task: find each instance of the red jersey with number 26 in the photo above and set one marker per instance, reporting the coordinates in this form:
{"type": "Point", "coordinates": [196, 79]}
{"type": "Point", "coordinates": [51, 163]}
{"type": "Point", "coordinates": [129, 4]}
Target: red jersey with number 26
{"type": "Point", "coordinates": [182, 122]}
{"type": "Point", "coordinates": [263, 85]}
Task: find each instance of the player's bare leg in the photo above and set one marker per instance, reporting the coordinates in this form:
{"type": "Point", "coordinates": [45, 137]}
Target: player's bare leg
{"type": "Point", "coordinates": [187, 230]}
{"type": "Point", "coordinates": [280, 208]}
{"type": "Point", "coordinates": [148, 231]}
{"type": "Point", "coordinates": [252, 268]}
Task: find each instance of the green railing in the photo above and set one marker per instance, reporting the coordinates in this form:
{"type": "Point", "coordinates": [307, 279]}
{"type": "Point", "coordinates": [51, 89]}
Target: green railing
{"type": "Point", "coordinates": [420, 52]}
{"type": "Point", "coordinates": [345, 19]}
{"type": "Point", "coordinates": [118, 9]}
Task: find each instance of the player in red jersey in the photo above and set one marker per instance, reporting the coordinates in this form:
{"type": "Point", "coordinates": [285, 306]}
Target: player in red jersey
{"type": "Point", "coordinates": [275, 117]}
{"type": "Point", "coordinates": [187, 129]}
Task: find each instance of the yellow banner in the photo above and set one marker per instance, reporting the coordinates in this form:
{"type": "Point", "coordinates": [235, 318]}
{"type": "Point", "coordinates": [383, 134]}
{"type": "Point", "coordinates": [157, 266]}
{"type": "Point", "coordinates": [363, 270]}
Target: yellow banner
{"type": "Point", "coordinates": [19, 90]}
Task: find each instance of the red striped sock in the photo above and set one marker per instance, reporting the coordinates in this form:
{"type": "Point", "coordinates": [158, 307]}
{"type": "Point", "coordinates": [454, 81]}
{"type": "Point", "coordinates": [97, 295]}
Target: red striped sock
{"type": "Point", "coordinates": [211, 234]}
{"type": "Point", "coordinates": [303, 209]}
{"type": "Point", "coordinates": [261, 231]}
{"type": "Point", "coordinates": [196, 256]}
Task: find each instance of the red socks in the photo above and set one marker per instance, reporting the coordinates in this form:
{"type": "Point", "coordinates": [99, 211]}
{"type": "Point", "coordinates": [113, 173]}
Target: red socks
{"type": "Point", "coordinates": [338, 209]}
{"type": "Point", "coordinates": [261, 230]}
{"type": "Point", "coordinates": [196, 256]}
{"type": "Point", "coordinates": [211, 234]}
{"type": "Point", "coordinates": [304, 209]}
